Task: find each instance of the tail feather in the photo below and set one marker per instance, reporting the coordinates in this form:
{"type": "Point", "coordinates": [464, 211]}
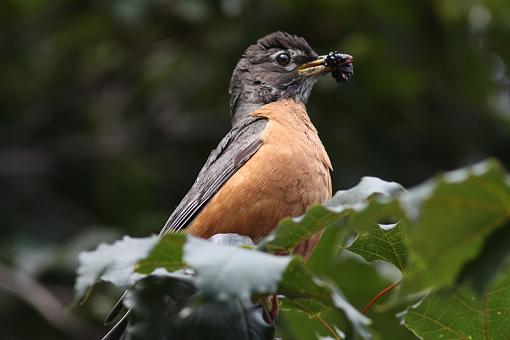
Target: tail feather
{"type": "Point", "coordinates": [116, 310]}
{"type": "Point", "coordinates": [117, 332]}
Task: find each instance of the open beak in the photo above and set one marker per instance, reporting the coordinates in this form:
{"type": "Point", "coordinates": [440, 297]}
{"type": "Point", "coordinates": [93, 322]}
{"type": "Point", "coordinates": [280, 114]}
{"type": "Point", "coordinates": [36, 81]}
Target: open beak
{"type": "Point", "coordinates": [324, 64]}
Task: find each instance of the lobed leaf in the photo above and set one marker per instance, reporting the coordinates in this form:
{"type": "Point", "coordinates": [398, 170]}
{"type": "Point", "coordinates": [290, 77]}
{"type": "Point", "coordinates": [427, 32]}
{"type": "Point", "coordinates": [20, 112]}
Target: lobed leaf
{"type": "Point", "coordinates": [442, 226]}
{"type": "Point", "coordinates": [460, 313]}
{"type": "Point", "coordinates": [377, 244]}
{"type": "Point", "coordinates": [449, 218]}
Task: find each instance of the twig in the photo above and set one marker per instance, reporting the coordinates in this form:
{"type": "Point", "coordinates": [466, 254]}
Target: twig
{"type": "Point", "coordinates": [328, 327]}
{"type": "Point", "coordinates": [42, 300]}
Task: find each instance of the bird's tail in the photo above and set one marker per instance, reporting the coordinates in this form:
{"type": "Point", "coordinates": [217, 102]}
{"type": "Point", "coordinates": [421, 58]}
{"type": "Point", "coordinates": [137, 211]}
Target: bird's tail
{"type": "Point", "coordinates": [118, 331]}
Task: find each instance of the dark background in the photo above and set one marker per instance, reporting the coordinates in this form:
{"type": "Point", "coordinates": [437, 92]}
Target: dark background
{"type": "Point", "coordinates": [108, 109]}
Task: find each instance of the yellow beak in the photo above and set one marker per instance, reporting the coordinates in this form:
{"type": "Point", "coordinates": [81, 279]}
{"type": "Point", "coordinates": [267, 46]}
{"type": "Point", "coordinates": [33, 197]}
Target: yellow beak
{"type": "Point", "coordinates": [317, 67]}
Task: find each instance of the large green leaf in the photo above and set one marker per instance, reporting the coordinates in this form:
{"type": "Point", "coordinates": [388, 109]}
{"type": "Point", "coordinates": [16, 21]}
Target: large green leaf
{"type": "Point", "coordinates": [449, 218]}
{"type": "Point", "coordinates": [460, 313]}
{"type": "Point", "coordinates": [376, 243]}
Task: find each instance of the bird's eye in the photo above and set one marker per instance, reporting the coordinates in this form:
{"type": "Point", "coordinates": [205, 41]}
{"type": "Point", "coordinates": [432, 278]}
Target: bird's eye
{"type": "Point", "coordinates": [283, 59]}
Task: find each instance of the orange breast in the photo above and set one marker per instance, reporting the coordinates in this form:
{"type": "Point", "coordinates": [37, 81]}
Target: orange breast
{"type": "Point", "coordinates": [290, 172]}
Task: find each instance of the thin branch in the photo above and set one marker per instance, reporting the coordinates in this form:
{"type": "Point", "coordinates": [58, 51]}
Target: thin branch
{"type": "Point", "coordinates": [328, 327]}
{"type": "Point", "coordinates": [42, 300]}
{"type": "Point", "coordinates": [379, 295]}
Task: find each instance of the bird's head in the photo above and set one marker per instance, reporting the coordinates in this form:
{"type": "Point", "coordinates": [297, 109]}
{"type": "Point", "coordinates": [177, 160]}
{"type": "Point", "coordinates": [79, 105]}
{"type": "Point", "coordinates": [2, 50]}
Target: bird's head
{"type": "Point", "coordinates": [280, 66]}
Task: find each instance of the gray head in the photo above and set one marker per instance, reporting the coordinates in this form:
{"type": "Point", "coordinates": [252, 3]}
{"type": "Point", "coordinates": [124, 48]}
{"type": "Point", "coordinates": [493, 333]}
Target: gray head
{"type": "Point", "coordinates": [278, 66]}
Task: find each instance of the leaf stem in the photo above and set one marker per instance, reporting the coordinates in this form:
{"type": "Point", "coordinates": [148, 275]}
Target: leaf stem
{"type": "Point", "coordinates": [328, 327]}
{"type": "Point", "coordinates": [379, 295]}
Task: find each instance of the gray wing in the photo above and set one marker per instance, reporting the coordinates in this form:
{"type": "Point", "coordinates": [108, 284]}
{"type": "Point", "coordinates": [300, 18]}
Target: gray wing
{"type": "Point", "coordinates": [234, 150]}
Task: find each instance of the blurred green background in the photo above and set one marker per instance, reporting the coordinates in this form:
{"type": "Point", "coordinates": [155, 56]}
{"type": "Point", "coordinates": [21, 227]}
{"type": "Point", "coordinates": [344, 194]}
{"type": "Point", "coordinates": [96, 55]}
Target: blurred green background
{"type": "Point", "coordinates": [108, 109]}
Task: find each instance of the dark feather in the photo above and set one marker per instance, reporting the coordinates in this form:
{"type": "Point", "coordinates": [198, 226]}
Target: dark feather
{"type": "Point", "coordinates": [284, 41]}
{"type": "Point", "coordinates": [116, 310]}
{"type": "Point", "coordinates": [118, 331]}
{"type": "Point", "coordinates": [233, 151]}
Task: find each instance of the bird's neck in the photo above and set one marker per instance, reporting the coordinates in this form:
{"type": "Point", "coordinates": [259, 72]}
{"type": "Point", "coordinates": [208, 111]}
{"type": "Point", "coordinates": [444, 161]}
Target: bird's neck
{"type": "Point", "coordinates": [243, 112]}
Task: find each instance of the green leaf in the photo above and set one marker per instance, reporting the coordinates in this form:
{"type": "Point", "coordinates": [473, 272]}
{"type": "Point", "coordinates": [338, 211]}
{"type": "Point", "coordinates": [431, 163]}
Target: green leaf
{"type": "Point", "coordinates": [113, 263]}
{"type": "Point", "coordinates": [443, 225]}
{"type": "Point", "coordinates": [460, 313]}
{"type": "Point", "coordinates": [449, 218]}
{"type": "Point", "coordinates": [291, 231]}
{"type": "Point", "coordinates": [166, 254]}
{"type": "Point", "coordinates": [377, 244]}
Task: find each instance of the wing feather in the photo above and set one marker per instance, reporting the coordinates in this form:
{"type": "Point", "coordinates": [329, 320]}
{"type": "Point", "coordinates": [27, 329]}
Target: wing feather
{"type": "Point", "coordinates": [234, 150]}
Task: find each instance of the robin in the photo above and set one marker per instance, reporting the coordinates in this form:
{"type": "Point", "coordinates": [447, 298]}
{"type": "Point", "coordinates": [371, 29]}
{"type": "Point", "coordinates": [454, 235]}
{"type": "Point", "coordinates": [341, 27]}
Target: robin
{"type": "Point", "coordinates": [271, 164]}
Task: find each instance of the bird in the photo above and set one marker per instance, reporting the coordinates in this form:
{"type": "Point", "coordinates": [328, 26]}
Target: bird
{"type": "Point", "coordinates": [272, 163]}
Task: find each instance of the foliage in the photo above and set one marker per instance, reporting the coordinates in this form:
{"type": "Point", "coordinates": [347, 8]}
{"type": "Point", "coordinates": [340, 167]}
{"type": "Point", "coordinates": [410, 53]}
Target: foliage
{"type": "Point", "coordinates": [217, 274]}
{"type": "Point", "coordinates": [387, 245]}
{"type": "Point", "coordinates": [108, 110]}
{"type": "Point", "coordinates": [460, 313]}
